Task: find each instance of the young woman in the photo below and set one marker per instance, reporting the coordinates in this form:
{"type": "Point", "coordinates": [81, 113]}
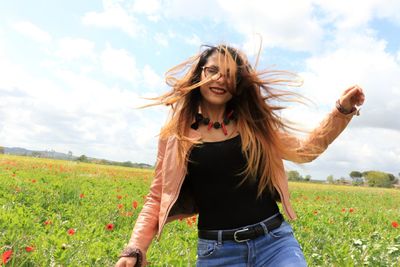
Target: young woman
{"type": "Point", "coordinates": [220, 156]}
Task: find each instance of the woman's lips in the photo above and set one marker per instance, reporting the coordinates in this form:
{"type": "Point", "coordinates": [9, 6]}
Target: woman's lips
{"type": "Point", "coordinates": [217, 91]}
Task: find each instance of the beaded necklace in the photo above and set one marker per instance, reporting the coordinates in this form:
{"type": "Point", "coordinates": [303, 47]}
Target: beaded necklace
{"type": "Point", "coordinates": [216, 125]}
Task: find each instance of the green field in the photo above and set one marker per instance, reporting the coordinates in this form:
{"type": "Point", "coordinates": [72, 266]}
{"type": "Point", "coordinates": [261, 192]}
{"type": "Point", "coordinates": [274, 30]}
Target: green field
{"type": "Point", "coordinates": [61, 213]}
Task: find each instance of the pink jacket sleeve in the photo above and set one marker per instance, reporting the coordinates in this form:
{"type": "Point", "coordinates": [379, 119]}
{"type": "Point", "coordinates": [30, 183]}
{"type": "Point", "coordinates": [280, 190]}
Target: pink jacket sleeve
{"type": "Point", "coordinates": [319, 139]}
{"type": "Point", "coordinates": [146, 225]}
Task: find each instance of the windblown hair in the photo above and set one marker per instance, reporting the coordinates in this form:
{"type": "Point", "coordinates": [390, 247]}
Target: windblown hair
{"type": "Point", "coordinates": [256, 97]}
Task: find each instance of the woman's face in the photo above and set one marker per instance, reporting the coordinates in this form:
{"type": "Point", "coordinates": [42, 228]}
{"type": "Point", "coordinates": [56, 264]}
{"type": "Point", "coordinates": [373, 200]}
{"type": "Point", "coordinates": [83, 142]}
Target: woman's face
{"type": "Point", "coordinates": [214, 92]}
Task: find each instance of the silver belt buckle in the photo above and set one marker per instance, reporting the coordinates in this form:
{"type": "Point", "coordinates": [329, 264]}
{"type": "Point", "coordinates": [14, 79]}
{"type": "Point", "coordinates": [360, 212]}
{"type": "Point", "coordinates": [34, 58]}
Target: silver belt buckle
{"type": "Point", "coordinates": [238, 231]}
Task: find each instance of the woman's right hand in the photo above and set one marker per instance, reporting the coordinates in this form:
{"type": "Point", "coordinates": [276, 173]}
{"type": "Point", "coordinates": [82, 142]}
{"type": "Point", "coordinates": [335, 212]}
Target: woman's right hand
{"type": "Point", "coordinates": [126, 262]}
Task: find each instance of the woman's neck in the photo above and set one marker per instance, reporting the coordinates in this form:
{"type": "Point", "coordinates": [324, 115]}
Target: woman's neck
{"type": "Point", "coordinates": [213, 112]}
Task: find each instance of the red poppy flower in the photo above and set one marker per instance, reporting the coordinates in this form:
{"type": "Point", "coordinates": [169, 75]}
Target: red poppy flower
{"type": "Point", "coordinates": [315, 212]}
{"type": "Point", "coordinates": [395, 224]}
{"type": "Point", "coordinates": [120, 206]}
{"type": "Point", "coordinates": [82, 195]}
{"type": "Point", "coordinates": [6, 256]}
{"type": "Point", "coordinates": [29, 249]}
{"type": "Point", "coordinates": [71, 231]}
{"type": "Point", "coordinates": [47, 222]}
{"type": "Point", "coordinates": [351, 210]}
{"type": "Point", "coordinates": [134, 204]}
{"type": "Point", "coordinates": [343, 210]}
{"type": "Point", "coordinates": [33, 181]}
{"type": "Point", "coordinates": [110, 227]}
{"type": "Point", "coordinates": [119, 196]}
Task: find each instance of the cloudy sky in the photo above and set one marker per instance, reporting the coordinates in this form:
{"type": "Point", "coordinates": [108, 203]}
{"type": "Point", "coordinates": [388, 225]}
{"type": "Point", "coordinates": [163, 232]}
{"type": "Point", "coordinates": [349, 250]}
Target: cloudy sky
{"type": "Point", "coordinates": [73, 72]}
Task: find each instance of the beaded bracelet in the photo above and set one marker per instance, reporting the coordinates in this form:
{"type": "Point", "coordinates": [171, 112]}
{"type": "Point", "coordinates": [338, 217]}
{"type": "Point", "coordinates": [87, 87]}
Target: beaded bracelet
{"type": "Point", "coordinates": [133, 252]}
{"type": "Point", "coordinates": [343, 110]}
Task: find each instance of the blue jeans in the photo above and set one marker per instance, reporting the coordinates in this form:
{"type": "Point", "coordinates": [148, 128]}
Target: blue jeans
{"type": "Point", "coordinates": [277, 248]}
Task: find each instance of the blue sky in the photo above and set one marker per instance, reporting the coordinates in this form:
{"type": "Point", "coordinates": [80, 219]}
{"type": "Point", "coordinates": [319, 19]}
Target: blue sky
{"type": "Point", "coordinates": [72, 72]}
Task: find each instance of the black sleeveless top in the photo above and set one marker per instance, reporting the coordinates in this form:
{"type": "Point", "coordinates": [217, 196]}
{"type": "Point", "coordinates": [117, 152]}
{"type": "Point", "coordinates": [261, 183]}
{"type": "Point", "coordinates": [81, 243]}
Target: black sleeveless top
{"type": "Point", "coordinates": [213, 177]}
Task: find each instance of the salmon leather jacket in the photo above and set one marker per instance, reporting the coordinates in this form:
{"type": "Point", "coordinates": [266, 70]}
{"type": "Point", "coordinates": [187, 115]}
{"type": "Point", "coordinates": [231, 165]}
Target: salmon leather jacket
{"type": "Point", "coordinates": [165, 202]}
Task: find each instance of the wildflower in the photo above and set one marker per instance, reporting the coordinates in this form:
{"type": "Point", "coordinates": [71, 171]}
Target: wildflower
{"type": "Point", "coordinates": [47, 222]}
{"type": "Point", "coordinates": [351, 210]}
{"type": "Point", "coordinates": [110, 227]}
{"type": "Point", "coordinates": [315, 212]}
{"type": "Point", "coordinates": [395, 224]}
{"type": "Point", "coordinates": [33, 181]}
{"type": "Point", "coordinates": [71, 231]}
{"type": "Point", "coordinates": [29, 249]}
{"type": "Point", "coordinates": [119, 196]}
{"type": "Point", "coordinates": [343, 210]}
{"type": "Point", "coordinates": [134, 204]}
{"type": "Point", "coordinates": [120, 206]}
{"type": "Point", "coordinates": [7, 256]}
{"type": "Point", "coordinates": [81, 195]}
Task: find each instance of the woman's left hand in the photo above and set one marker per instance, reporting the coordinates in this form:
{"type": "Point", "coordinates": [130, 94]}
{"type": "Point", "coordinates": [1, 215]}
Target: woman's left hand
{"type": "Point", "coordinates": [353, 96]}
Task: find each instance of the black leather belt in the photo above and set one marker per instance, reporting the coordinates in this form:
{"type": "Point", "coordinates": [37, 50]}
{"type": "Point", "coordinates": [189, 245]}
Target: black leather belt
{"type": "Point", "coordinates": [245, 233]}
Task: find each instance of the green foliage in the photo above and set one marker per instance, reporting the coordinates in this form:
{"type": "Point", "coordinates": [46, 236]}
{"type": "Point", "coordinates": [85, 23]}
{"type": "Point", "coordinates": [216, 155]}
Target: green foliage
{"type": "Point", "coordinates": [82, 158]}
{"type": "Point", "coordinates": [330, 179]}
{"type": "Point", "coordinates": [356, 174]}
{"type": "Point", "coordinates": [294, 176]}
{"type": "Point", "coordinates": [336, 225]}
{"type": "Point", "coordinates": [379, 179]}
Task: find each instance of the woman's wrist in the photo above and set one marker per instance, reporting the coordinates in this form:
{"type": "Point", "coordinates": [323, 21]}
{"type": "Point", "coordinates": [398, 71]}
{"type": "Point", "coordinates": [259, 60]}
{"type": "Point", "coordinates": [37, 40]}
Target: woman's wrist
{"type": "Point", "coordinates": [343, 109]}
{"type": "Point", "coordinates": [134, 253]}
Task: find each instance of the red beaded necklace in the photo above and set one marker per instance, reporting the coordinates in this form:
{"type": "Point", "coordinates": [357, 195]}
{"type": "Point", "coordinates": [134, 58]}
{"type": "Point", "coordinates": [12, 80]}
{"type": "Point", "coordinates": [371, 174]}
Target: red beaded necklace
{"type": "Point", "coordinates": [216, 125]}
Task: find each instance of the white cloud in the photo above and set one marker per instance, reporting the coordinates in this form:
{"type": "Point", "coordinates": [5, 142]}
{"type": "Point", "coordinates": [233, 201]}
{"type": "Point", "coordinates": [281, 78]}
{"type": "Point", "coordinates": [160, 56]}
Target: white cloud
{"type": "Point", "coordinates": [357, 60]}
{"type": "Point", "coordinates": [152, 8]}
{"type": "Point", "coordinates": [151, 79]}
{"type": "Point", "coordinates": [113, 16]}
{"type": "Point", "coordinates": [32, 31]}
{"type": "Point", "coordinates": [161, 39]}
{"type": "Point", "coordinates": [193, 40]}
{"type": "Point", "coordinates": [75, 48]}
{"type": "Point", "coordinates": [294, 28]}
{"type": "Point", "coordinates": [357, 14]}
{"type": "Point", "coordinates": [119, 63]}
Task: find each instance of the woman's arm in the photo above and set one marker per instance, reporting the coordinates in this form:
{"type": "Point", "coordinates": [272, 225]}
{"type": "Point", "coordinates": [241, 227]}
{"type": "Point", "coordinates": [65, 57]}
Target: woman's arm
{"type": "Point", "coordinates": [321, 137]}
{"type": "Point", "coordinates": [146, 225]}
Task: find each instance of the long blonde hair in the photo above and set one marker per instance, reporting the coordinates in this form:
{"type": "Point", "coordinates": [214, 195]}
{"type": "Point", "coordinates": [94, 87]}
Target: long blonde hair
{"type": "Point", "coordinates": [256, 97]}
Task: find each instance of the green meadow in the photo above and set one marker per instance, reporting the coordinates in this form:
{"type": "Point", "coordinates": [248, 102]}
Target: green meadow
{"type": "Point", "coordinates": [62, 213]}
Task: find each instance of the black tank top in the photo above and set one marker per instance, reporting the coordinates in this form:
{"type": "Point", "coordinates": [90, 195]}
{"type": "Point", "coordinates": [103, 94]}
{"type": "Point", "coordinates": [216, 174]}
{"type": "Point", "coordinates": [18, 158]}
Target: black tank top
{"type": "Point", "coordinates": [213, 177]}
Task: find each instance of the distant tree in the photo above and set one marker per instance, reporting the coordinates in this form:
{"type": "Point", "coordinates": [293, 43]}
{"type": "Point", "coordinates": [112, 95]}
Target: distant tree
{"type": "Point", "coordinates": [379, 179]}
{"type": "Point", "coordinates": [307, 178]}
{"type": "Point", "coordinates": [1, 150]}
{"type": "Point", "coordinates": [82, 158]}
{"type": "Point", "coordinates": [70, 154]}
{"type": "Point", "coordinates": [127, 164]}
{"type": "Point", "coordinates": [356, 174]}
{"type": "Point", "coordinates": [294, 176]}
{"type": "Point", "coordinates": [330, 179]}
{"type": "Point", "coordinates": [357, 178]}
{"type": "Point", "coordinates": [36, 154]}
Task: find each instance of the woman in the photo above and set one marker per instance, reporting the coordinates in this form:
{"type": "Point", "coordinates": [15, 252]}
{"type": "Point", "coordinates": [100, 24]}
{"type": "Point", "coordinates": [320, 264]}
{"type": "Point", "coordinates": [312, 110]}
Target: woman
{"type": "Point", "coordinates": [220, 155]}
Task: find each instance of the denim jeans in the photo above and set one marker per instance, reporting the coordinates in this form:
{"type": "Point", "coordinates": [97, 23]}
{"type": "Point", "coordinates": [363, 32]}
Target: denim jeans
{"type": "Point", "coordinates": [277, 248]}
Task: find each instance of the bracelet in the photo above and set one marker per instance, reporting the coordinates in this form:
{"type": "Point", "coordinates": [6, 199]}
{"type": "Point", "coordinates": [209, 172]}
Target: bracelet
{"type": "Point", "coordinates": [343, 110]}
{"type": "Point", "coordinates": [133, 252]}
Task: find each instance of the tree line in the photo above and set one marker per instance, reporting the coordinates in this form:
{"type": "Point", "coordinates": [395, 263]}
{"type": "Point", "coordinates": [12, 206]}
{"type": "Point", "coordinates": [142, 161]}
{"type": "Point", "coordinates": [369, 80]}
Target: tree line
{"type": "Point", "coordinates": [367, 178]}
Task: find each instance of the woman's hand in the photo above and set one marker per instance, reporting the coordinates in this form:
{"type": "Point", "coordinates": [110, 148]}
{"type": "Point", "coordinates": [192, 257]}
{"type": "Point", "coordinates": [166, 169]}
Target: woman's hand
{"type": "Point", "coordinates": [351, 97]}
{"type": "Point", "coordinates": [126, 262]}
